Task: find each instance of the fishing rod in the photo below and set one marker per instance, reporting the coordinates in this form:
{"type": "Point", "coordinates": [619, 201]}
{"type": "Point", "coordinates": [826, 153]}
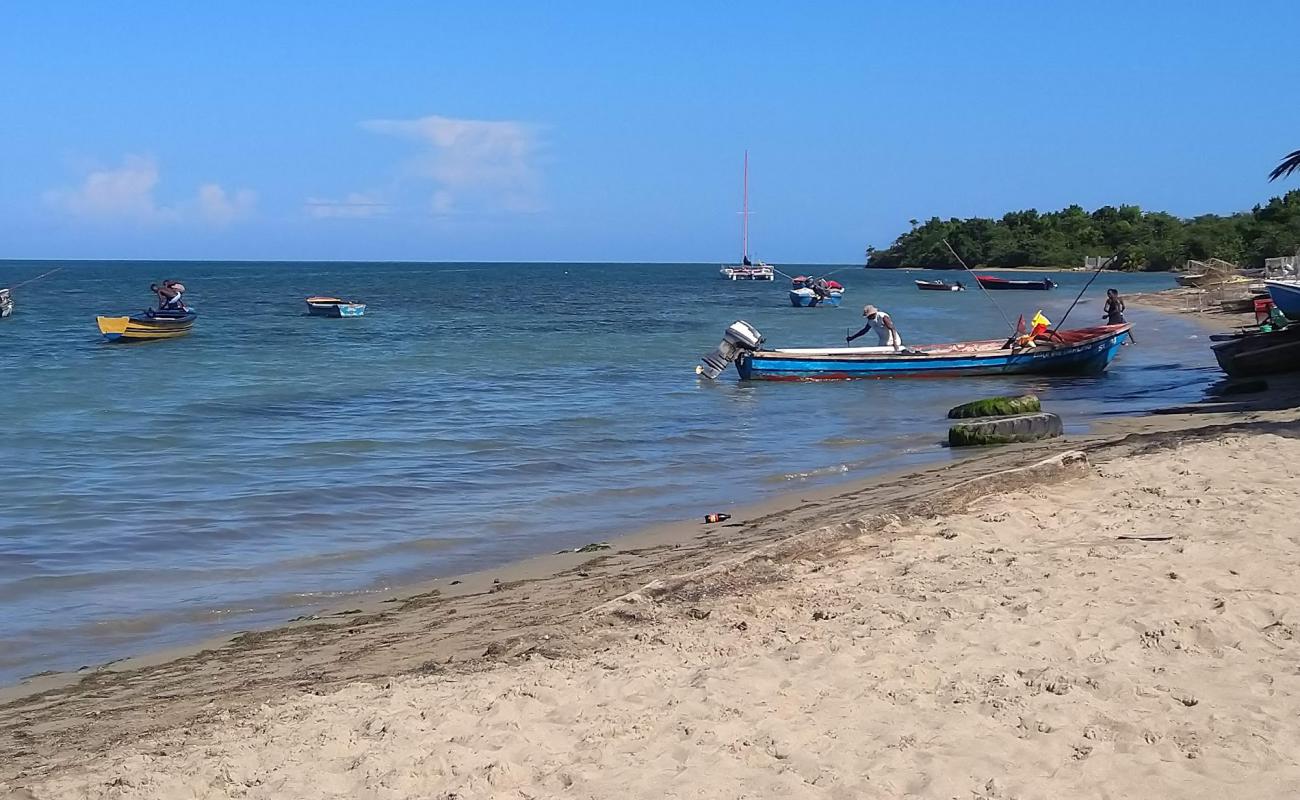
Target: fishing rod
{"type": "Point", "coordinates": [1005, 318]}
{"type": "Point", "coordinates": [37, 278]}
{"type": "Point", "coordinates": [1095, 273]}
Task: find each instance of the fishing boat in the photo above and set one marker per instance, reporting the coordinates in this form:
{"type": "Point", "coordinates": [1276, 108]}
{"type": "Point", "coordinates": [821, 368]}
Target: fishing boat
{"type": "Point", "coordinates": [994, 282]}
{"type": "Point", "coordinates": [1082, 351]}
{"type": "Point", "coordinates": [747, 270]}
{"type": "Point", "coordinates": [940, 286]}
{"type": "Point", "coordinates": [334, 307]}
{"type": "Point", "coordinates": [804, 293]}
{"type": "Point", "coordinates": [7, 294]}
{"type": "Point", "coordinates": [1250, 354]}
{"type": "Point", "coordinates": [1286, 296]}
{"type": "Point", "coordinates": [147, 326]}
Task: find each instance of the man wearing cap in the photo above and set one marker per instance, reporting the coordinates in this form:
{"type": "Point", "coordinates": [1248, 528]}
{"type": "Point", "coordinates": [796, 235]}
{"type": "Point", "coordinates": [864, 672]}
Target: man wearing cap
{"type": "Point", "coordinates": [884, 327]}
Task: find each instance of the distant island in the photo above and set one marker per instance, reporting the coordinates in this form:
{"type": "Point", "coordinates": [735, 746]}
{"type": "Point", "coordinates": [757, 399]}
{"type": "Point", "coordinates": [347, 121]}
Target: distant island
{"type": "Point", "coordinates": [1140, 240]}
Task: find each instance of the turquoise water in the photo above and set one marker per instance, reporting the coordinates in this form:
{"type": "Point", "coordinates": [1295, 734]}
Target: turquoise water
{"type": "Point", "coordinates": [272, 463]}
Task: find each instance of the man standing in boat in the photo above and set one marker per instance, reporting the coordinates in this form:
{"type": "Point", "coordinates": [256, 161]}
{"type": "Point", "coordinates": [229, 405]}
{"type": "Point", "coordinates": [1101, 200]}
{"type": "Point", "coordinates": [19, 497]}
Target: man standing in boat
{"type": "Point", "coordinates": [883, 325]}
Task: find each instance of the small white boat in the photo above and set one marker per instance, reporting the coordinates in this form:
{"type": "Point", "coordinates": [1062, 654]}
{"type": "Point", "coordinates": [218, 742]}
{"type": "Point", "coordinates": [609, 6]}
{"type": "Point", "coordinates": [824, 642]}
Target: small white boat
{"type": "Point", "coordinates": [6, 303]}
{"type": "Point", "coordinates": [334, 307]}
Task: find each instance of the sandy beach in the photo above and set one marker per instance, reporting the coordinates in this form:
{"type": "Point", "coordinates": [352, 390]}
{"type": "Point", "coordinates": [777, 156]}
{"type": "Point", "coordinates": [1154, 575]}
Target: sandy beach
{"type": "Point", "coordinates": [1109, 615]}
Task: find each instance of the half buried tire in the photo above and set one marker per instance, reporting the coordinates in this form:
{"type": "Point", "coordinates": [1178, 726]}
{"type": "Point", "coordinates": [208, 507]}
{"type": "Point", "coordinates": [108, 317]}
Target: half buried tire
{"type": "Point", "coordinates": [1005, 430]}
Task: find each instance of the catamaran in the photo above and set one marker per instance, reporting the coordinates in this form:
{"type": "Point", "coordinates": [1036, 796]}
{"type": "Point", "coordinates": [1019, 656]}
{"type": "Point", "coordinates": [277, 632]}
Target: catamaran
{"type": "Point", "coordinates": [746, 270]}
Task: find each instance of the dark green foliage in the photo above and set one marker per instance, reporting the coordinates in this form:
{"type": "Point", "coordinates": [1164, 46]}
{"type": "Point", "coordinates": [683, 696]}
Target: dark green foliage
{"type": "Point", "coordinates": [995, 407]}
{"type": "Point", "coordinates": [1142, 240]}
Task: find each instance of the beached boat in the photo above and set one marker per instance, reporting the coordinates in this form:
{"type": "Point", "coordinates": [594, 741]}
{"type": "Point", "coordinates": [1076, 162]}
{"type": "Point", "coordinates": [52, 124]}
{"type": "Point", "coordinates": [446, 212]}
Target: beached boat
{"type": "Point", "coordinates": [1250, 354]}
{"type": "Point", "coordinates": [746, 270]}
{"type": "Point", "coordinates": [1083, 351]}
{"type": "Point", "coordinates": [994, 282]}
{"type": "Point", "coordinates": [940, 286]}
{"type": "Point", "coordinates": [334, 307]}
{"type": "Point", "coordinates": [1286, 296]}
{"type": "Point", "coordinates": [6, 303]}
{"type": "Point", "coordinates": [147, 326]}
{"type": "Point", "coordinates": [804, 293]}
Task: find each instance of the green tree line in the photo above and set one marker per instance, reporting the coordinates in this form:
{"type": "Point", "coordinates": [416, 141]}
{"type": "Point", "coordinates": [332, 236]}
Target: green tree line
{"type": "Point", "coordinates": [1141, 240]}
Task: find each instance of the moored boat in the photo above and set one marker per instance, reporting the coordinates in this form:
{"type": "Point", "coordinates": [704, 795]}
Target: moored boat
{"type": "Point", "coordinates": [808, 292]}
{"type": "Point", "coordinates": [147, 326]}
{"type": "Point", "coordinates": [746, 270]}
{"type": "Point", "coordinates": [1286, 296]}
{"type": "Point", "coordinates": [334, 307]}
{"type": "Point", "coordinates": [994, 282]}
{"type": "Point", "coordinates": [1253, 354]}
{"type": "Point", "coordinates": [1083, 351]}
{"type": "Point", "coordinates": [6, 303]}
{"type": "Point", "coordinates": [940, 286]}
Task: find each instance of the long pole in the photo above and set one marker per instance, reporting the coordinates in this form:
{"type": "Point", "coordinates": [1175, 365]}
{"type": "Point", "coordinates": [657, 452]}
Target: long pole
{"type": "Point", "coordinates": [37, 278]}
{"type": "Point", "coordinates": [1095, 273]}
{"type": "Point", "coordinates": [744, 214]}
{"type": "Point", "coordinates": [1005, 318]}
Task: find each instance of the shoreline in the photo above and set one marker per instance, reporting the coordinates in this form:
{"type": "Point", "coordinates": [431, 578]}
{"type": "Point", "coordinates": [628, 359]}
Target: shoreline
{"type": "Point", "coordinates": [540, 605]}
{"type": "Point", "coordinates": [521, 568]}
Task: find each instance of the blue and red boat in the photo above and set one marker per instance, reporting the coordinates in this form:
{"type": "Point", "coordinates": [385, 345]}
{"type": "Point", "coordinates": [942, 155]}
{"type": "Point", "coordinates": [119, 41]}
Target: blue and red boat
{"type": "Point", "coordinates": [1286, 296]}
{"type": "Point", "coordinates": [1082, 351]}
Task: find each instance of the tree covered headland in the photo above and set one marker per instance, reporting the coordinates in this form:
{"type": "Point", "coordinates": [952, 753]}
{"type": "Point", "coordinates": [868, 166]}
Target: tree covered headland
{"type": "Point", "coordinates": [1142, 240]}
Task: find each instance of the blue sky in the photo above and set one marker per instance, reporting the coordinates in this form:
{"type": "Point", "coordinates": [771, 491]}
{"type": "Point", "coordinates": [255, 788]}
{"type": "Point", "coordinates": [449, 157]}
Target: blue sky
{"type": "Point", "coordinates": [615, 131]}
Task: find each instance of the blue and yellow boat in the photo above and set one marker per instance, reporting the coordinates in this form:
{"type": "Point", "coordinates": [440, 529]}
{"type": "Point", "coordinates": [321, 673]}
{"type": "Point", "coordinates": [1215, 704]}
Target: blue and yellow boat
{"type": "Point", "coordinates": [147, 326]}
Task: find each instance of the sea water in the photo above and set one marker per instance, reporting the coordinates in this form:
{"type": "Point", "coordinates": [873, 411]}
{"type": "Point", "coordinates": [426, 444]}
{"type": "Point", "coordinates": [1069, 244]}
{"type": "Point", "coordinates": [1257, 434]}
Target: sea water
{"type": "Point", "coordinates": [272, 463]}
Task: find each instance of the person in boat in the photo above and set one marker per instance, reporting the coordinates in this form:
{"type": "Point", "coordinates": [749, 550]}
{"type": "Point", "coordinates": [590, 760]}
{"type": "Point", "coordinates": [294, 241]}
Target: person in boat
{"type": "Point", "coordinates": [883, 325]}
{"type": "Point", "coordinates": [1114, 308]}
{"type": "Point", "coordinates": [170, 295]}
{"type": "Point", "coordinates": [821, 288]}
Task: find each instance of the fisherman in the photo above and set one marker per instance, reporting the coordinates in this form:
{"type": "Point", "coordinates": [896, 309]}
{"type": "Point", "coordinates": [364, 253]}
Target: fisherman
{"type": "Point", "coordinates": [883, 325]}
{"type": "Point", "coordinates": [1114, 309]}
{"type": "Point", "coordinates": [170, 295]}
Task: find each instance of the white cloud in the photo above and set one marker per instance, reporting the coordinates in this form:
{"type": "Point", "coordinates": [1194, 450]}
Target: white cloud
{"type": "Point", "coordinates": [356, 205]}
{"type": "Point", "coordinates": [476, 165]}
{"type": "Point", "coordinates": [221, 208]}
{"type": "Point", "coordinates": [127, 193]}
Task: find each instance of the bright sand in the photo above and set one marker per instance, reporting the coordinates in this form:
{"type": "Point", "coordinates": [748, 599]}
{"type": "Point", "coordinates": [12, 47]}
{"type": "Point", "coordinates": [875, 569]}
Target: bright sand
{"type": "Point", "coordinates": [1024, 647]}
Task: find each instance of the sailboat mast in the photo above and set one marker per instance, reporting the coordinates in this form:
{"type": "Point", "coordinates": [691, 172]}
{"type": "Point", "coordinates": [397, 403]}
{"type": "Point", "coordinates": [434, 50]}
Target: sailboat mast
{"type": "Point", "coordinates": [744, 214]}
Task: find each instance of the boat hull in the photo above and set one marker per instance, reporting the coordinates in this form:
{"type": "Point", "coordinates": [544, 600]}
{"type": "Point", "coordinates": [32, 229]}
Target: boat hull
{"type": "Point", "coordinates": [1286, 296]}
{"type": "Point", "coordinates": [1260, 354]}
{"type": "Point", "coordinates": [763, 273]}
{"type": "Point", "coordinates": [808, 299]}
{"type": "Point", "coordinates": [1088, 352]}
{"type": "Point", "coordinates": [937, 286]}
{"type": "Point", "coordinates": [145, 327]}
{"type": "Point", "coordinates": [331, 307]}
{"type": "Point", "coordinates": [995, 284]}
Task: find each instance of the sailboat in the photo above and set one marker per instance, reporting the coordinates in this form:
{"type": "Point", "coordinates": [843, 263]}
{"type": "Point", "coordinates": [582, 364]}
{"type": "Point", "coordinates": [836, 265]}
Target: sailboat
{"type": "Point", "coordinates": [746, 270]}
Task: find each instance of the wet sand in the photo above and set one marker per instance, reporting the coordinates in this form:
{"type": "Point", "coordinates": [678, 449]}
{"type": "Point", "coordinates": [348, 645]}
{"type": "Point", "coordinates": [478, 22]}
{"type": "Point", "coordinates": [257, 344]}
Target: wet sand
{"type": "Point", "coordinates": [926, 633]}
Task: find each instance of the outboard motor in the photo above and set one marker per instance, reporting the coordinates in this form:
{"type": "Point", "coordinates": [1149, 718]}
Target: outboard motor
{"type": "Point", "coordinates": [739, 338]}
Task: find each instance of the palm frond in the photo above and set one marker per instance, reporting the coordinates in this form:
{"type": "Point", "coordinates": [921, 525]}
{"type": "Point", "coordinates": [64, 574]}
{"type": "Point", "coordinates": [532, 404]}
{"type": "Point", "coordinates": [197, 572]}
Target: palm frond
{"type": "Point", "coordinates": [1289, 164]}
